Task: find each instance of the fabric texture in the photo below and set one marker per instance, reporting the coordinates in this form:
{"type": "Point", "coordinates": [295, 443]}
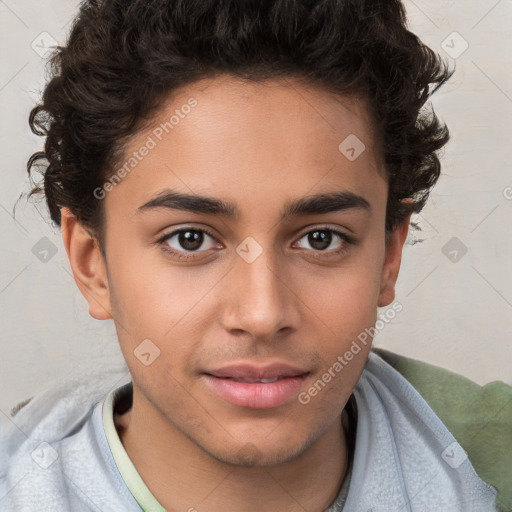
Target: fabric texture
{"type": "Point", "coordinates": [55, 455]}
{"type": "Point", "coordinates": [479, 417]}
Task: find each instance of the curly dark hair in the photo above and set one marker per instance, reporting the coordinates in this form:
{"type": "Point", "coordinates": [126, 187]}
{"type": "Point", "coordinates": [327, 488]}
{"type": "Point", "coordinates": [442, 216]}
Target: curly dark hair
{"type": "Point", "coordinates": [124, 57]}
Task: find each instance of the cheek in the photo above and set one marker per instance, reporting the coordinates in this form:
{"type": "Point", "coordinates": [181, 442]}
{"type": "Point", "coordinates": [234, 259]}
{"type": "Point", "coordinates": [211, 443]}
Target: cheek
{"type": "Point", "coordinates": [148, 296]}
{"type": "Point", "coordinates": [345, 297]}
{"type": "Point", "coordinates": [156, 301]}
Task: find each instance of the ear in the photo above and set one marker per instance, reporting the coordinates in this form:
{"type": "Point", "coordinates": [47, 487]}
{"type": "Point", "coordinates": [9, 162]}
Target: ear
{"type": "Point", "coordinates": [392, 261]}
{"type": "Point", "coordinates": [87, 264]}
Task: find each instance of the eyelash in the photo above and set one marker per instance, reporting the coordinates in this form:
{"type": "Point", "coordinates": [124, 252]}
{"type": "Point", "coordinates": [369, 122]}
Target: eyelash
{"type": "Point", "coordinates": [346, 239]}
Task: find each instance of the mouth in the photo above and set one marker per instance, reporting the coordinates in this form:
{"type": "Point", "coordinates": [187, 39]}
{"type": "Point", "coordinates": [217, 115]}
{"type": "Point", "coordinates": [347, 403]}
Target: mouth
{"type": "Point", "coordinates": [252, 381]}
{"type": "Point", "coordinates": [256, 392]}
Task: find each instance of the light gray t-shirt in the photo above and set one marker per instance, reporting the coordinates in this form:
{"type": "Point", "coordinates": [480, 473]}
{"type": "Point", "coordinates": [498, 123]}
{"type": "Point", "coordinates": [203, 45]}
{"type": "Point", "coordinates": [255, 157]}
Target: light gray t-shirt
{"type": "Point", "coordinates": [55, 455]}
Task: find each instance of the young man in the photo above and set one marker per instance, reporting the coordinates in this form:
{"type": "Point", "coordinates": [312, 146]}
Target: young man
{"type": "Point", "coordinates": [234, 182]}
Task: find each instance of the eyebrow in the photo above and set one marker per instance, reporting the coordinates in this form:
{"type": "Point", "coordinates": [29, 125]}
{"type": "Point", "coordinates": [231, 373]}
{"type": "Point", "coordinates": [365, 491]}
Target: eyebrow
{"type": "Point", "coordinates": [308, 205]}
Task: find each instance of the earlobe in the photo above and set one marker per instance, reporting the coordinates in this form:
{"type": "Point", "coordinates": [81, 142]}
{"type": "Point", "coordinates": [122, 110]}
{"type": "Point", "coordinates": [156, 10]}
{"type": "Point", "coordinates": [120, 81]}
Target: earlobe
{"type": "Point", "coordinates": [87, 265]}
{"type": "Point", "coordinates": [392, 260]}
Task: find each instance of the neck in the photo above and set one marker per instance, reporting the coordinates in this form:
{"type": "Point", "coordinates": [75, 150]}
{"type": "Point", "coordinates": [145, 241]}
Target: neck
{"type": "Point", "coordinates": [182, 476]}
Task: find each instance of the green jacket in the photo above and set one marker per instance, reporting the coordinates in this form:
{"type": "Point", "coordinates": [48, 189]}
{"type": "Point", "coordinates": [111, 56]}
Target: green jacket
{"type": "Point", "coordinates": [479, 417]}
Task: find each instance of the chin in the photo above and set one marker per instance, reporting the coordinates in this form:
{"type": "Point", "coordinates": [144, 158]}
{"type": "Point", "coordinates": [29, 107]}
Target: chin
{"type": "Point", "coordinates": [252, 455]}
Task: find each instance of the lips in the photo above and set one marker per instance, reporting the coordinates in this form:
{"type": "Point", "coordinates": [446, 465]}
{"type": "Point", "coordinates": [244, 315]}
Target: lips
{"type": "Point", "coordinates": [256, 387]}
{"type": "Point", "coordinates": [251, 381]}
{"type": "Point", "coordinates": [257, 373]}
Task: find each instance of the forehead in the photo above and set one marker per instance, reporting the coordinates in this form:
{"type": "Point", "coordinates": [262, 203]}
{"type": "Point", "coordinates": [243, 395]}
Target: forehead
{"type": "Point", "coordinates": [258, 141]}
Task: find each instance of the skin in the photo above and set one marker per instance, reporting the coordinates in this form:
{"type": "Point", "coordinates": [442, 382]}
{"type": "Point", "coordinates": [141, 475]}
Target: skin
{"type": "Point", "coordinates": [258, 145]}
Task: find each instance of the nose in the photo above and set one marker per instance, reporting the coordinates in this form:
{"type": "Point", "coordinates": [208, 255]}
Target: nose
{"type": "Point", "coordinates": [260, 299]}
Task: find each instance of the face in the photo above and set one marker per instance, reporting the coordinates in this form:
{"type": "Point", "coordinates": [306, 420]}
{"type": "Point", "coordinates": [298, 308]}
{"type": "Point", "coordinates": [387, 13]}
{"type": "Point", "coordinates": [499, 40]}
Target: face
{"type": "Point", "coordinates": [244, 293]}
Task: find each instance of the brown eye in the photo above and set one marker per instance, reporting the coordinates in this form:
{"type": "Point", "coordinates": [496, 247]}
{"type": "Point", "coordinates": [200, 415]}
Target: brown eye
{"type": "Point", "coordinates": [187, 240]}
{"type": "Point", "coordinates": [190, 240]}
{"type": "Point", "coordinates": [320, 239]}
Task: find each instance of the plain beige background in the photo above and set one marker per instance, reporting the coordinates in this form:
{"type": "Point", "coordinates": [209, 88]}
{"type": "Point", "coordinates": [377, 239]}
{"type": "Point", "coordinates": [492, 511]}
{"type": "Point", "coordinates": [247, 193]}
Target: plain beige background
{"type": "Point", "coordinates": [455, 286]}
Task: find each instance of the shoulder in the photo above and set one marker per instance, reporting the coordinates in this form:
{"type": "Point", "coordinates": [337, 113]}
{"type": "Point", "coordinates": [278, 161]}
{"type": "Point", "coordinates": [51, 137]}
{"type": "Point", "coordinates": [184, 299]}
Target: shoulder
{"type": "Point", "coordinates": [479, 417]}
